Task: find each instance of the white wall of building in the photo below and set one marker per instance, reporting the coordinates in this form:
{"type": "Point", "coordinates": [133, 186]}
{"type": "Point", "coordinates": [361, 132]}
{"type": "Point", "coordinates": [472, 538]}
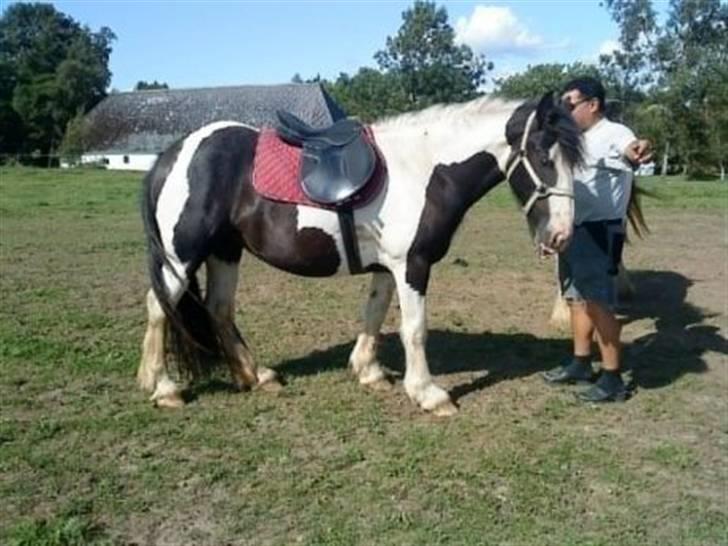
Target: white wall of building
{"type": "Point", "coordinates": [122, 162]}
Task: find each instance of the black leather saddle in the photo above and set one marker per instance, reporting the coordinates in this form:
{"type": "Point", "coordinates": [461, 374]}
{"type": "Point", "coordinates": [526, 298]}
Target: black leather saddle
{"type": "Point", "coordinates": [337, 160]}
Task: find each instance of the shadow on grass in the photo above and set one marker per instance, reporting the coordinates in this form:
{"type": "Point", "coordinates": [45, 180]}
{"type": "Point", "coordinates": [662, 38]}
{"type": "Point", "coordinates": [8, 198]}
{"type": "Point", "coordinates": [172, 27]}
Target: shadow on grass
{"type": "Point", "coordinates": [501, 355]}
{"type": "Point", "coordinates": [212, 385]}
{"type": "Point", "coordinates": [676, 347]}
{"type": "Point", "coordinates": [680, 338]}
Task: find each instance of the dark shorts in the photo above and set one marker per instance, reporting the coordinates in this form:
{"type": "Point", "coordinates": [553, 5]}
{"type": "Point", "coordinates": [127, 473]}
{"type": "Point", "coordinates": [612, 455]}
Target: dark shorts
{"type": "Point", "coordinates": [588, 267]}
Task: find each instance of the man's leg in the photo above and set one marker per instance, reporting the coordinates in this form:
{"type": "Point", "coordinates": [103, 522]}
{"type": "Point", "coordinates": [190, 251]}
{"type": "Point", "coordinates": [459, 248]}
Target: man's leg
{"type": "Point", "coordinates": [609, 387]}
{"type": "Point", "coordinates": [577, 368]}
{"type": "Point", "coordinates": [582, 328]}
{"type": "Point", "coordinates": [608, 329]}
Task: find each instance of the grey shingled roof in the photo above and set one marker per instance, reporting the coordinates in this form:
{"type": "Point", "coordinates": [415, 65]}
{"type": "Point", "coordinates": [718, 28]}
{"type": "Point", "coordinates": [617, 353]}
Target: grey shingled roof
{"type": "Point", "coordinates": [149, 121]}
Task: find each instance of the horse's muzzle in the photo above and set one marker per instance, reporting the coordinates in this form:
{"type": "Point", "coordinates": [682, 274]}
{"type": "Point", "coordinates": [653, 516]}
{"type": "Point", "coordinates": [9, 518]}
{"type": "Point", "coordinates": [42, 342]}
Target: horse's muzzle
{"type": "Point", "coordinates": [561, 239]}
{"type": "Point", "coordinates": [553, 242]}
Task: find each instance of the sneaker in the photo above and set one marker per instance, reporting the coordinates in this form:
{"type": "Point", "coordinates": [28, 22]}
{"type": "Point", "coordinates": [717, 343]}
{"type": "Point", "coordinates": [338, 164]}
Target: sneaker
{"type": "Point", "coordinates": [608, 388]}
{"type": "Point", "coordinates": [571, 372]}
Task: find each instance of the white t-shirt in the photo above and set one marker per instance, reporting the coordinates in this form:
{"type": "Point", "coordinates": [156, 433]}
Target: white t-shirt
{"type": "Point", "coordinates": [602, 186]}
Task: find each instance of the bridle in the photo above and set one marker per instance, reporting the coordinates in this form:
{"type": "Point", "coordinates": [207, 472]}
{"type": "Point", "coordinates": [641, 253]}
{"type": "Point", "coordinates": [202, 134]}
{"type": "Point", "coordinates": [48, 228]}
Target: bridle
{"type": "Point", "coordinates": [518, 157]}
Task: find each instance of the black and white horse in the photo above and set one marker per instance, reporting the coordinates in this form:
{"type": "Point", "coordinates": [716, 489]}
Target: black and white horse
{"type": "Point", "coordinates": [200, 207]}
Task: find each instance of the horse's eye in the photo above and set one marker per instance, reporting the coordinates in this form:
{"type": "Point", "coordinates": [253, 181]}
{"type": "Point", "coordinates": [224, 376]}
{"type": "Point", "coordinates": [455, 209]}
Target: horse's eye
{"type": "Point", "coordinates": [546, 161]}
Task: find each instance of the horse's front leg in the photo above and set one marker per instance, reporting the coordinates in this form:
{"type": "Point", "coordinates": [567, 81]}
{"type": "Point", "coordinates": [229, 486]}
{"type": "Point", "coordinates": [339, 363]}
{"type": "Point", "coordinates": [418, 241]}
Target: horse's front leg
{"type": "Point", "coordinates": [363, 359]}
{"type": "Point", "coordinates": [413, 331]}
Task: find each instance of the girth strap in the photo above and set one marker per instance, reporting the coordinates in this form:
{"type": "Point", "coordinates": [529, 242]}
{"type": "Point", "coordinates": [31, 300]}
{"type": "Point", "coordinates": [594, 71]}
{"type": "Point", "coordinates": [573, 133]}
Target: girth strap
{"type": "Point", "coordinates": [351, 243]}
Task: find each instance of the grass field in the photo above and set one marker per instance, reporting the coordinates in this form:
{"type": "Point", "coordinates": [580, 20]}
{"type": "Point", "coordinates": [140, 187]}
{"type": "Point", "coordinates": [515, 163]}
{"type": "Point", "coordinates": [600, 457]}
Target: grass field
{"type": "Point", "coordinates": [86, 459]}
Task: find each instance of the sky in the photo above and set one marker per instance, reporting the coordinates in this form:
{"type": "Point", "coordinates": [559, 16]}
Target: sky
{"type": "Point", "coordinates": [195, 43]}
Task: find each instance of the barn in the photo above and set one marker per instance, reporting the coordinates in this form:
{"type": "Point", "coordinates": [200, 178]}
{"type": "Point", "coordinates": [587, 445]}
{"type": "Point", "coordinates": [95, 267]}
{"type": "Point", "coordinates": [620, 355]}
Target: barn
{"type": "Point", "coordinates": [129, 130]}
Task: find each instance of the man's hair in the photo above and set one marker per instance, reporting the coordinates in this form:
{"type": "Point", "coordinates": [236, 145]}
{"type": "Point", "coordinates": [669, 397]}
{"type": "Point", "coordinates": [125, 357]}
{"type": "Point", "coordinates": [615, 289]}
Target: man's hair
{"type": "Point", "coordinates": [590, 88]}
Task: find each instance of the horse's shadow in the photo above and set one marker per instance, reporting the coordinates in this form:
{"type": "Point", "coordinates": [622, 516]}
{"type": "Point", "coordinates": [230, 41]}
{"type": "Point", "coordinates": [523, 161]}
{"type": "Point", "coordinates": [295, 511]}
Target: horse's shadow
{"type": "Point", "coordinates": [502, 356]}
{"type": "Point", "coordinates": [675, 347]}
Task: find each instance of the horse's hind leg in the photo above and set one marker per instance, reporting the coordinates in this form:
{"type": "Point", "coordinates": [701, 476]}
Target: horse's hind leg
{"type": "Point", "coordinates": [363, 359]}
{"type": "Point", "coordinates": [152, 373]}
{"type": "Point", "coordinates": [222, 281]}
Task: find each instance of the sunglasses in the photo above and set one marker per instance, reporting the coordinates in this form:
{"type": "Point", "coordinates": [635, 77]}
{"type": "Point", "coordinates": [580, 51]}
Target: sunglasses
{"type": "Point", "coordinates": [570, 106]}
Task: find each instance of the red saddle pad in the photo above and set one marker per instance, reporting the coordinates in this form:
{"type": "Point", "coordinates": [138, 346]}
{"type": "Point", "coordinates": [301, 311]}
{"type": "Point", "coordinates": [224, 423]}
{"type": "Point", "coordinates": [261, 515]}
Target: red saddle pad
{"type": "Point", "coordinates": [277, 165]}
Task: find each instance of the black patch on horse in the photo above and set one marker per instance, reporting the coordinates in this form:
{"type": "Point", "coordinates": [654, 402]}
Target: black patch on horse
{"type": "Point", "coordinates": [224, 213]}
{"type": "Point", "coordinates": [269, 228]}
{"type": "Point", "coordinates": [451, 191]}
{"type": "Point", "coordinates": [215, 176]}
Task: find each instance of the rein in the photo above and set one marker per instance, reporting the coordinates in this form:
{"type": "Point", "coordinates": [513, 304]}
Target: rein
{"type": "Point", "coordinates": [541, 190]}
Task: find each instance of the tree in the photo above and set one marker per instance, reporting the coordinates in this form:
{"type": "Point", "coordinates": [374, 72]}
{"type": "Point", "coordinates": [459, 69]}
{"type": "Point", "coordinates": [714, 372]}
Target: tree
{"type": "Point", "coordinates": [12, 133]}
{"type": "Point", "coordinates": [672, 82]}
{"type": "Point", "coordinates": [146, 86]}
{"type": "Point", "coordinates": [542, 78]}
{"type": "Point", "coordinates": [693, 57]}
{"type": "Point", "coordinates": [628, 67]}
{"type": "Point", "coordinates": [74, 140]}
{"type": "Point", "coordinates": [369, 94]}
{"type": "Point", "coordinates": [425, 59]}
{"type": "Point", "coordinates": [53, 69]}
{"type": "Point", "coordinates": [420, 66]}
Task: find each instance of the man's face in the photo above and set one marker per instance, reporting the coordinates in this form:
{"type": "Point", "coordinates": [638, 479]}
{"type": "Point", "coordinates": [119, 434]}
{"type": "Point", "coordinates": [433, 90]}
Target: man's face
{"type": "Point", "coordinates": [584, 110]}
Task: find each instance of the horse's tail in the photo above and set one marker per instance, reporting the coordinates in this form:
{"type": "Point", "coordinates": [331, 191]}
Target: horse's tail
{"type": "Point", "coordinates": [634, 210]}
{"type": "Point", "coordinates": [190, 334]}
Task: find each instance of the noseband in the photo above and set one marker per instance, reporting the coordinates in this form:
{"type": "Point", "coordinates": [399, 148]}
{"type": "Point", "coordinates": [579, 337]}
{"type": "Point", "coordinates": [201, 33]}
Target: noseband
{"type": "Point", "coordinates": [541, 190]}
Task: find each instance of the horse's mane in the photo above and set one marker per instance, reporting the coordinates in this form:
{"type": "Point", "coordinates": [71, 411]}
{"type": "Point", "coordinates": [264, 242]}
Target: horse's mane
{"type": "Point", "coordinates": [559, 121]}
{"type": "Point", "coordinates": [568, 135]}
{"type": "Point", "coordinates": [557, 126]}
{"type": "Point", "coordinates": [464, 112]}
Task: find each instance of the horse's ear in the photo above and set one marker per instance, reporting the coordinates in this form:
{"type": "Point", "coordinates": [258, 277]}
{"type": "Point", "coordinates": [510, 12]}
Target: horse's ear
{"type": "Point", "coordinates": [546, 106]}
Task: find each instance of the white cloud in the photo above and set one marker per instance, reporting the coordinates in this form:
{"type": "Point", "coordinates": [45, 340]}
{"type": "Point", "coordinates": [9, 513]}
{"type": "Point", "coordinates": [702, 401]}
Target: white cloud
{"type": "Point", "coordinates": [496, 29]}
{"type": "Point", "coordinates": [608, 47]}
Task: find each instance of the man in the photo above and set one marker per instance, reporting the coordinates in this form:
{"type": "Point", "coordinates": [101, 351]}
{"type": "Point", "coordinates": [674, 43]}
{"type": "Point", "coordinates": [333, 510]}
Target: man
{"type": "Point", "coordinates": [588, 267]}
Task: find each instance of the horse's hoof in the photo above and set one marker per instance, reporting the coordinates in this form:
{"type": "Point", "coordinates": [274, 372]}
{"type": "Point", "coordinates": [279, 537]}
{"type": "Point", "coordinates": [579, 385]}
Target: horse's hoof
{"type": "Point", "coordinates": [170, 401]}
{"type": "Point", "coordinates": [381, 385]}
{"type": "Point", "coordinates": [145, 383]}
{"type": "Point", "coordinates": [268, 380]}
{"type": "Point", "coordinates": [445, 409]}
{"type": "Point", "coordinates": [271, 386]}
{"type": "Point", "coordinates": [373, 377]}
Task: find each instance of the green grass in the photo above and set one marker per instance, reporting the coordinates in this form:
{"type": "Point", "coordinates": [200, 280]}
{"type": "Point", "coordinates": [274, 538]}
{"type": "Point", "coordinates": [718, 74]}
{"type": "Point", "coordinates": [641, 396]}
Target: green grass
{"type": "Point", "coordinates": [679, 193]}
{"type": "Point", "coordinates": [71, 531]}
{"type": "Point", "coordinates": [85, 459]}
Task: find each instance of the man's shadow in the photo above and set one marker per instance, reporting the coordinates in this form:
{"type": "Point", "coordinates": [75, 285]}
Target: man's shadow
{"type": "Point", "coordinates": [680, 339]}
{"type": "Point", "coordinates": [675, 348]}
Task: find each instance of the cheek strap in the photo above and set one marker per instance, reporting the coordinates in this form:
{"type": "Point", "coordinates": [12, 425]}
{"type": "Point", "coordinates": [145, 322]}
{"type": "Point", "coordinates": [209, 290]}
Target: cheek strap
{"type": "Point", "coordinates": [541, 190]}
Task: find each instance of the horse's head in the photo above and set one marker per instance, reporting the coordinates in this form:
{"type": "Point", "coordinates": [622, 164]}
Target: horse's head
{"type": "Point", "coordinates": [545, 146]}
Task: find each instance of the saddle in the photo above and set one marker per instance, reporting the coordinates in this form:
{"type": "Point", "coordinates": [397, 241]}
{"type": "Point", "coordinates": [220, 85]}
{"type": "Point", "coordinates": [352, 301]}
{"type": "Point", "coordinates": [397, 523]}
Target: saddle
{"type": "Point", "coordinates": [337, 161]}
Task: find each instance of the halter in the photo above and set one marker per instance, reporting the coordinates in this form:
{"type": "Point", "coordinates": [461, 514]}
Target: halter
{"type": "Point", "coordinates": [541, 191]}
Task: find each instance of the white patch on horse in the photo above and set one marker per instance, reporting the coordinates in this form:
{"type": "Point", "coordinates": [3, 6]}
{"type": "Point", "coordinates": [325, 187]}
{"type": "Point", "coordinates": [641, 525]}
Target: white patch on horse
{"type": "Point", "coordinates": [445, 134]}
{"type": "Point", "coordinates": [387, 226]}
{"type": "Point", "coordinates": [561, 207]}
{"type": "Point", "coordinates": [326, 221]}
{"type": "Point", "coordinates": [414, 144]}
{"type": "Point", "coordinates": [174, 195]}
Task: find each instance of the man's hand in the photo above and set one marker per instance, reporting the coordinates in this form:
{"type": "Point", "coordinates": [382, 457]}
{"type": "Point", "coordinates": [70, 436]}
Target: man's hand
{"type": "Point", "coordinates": [639, 152]}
